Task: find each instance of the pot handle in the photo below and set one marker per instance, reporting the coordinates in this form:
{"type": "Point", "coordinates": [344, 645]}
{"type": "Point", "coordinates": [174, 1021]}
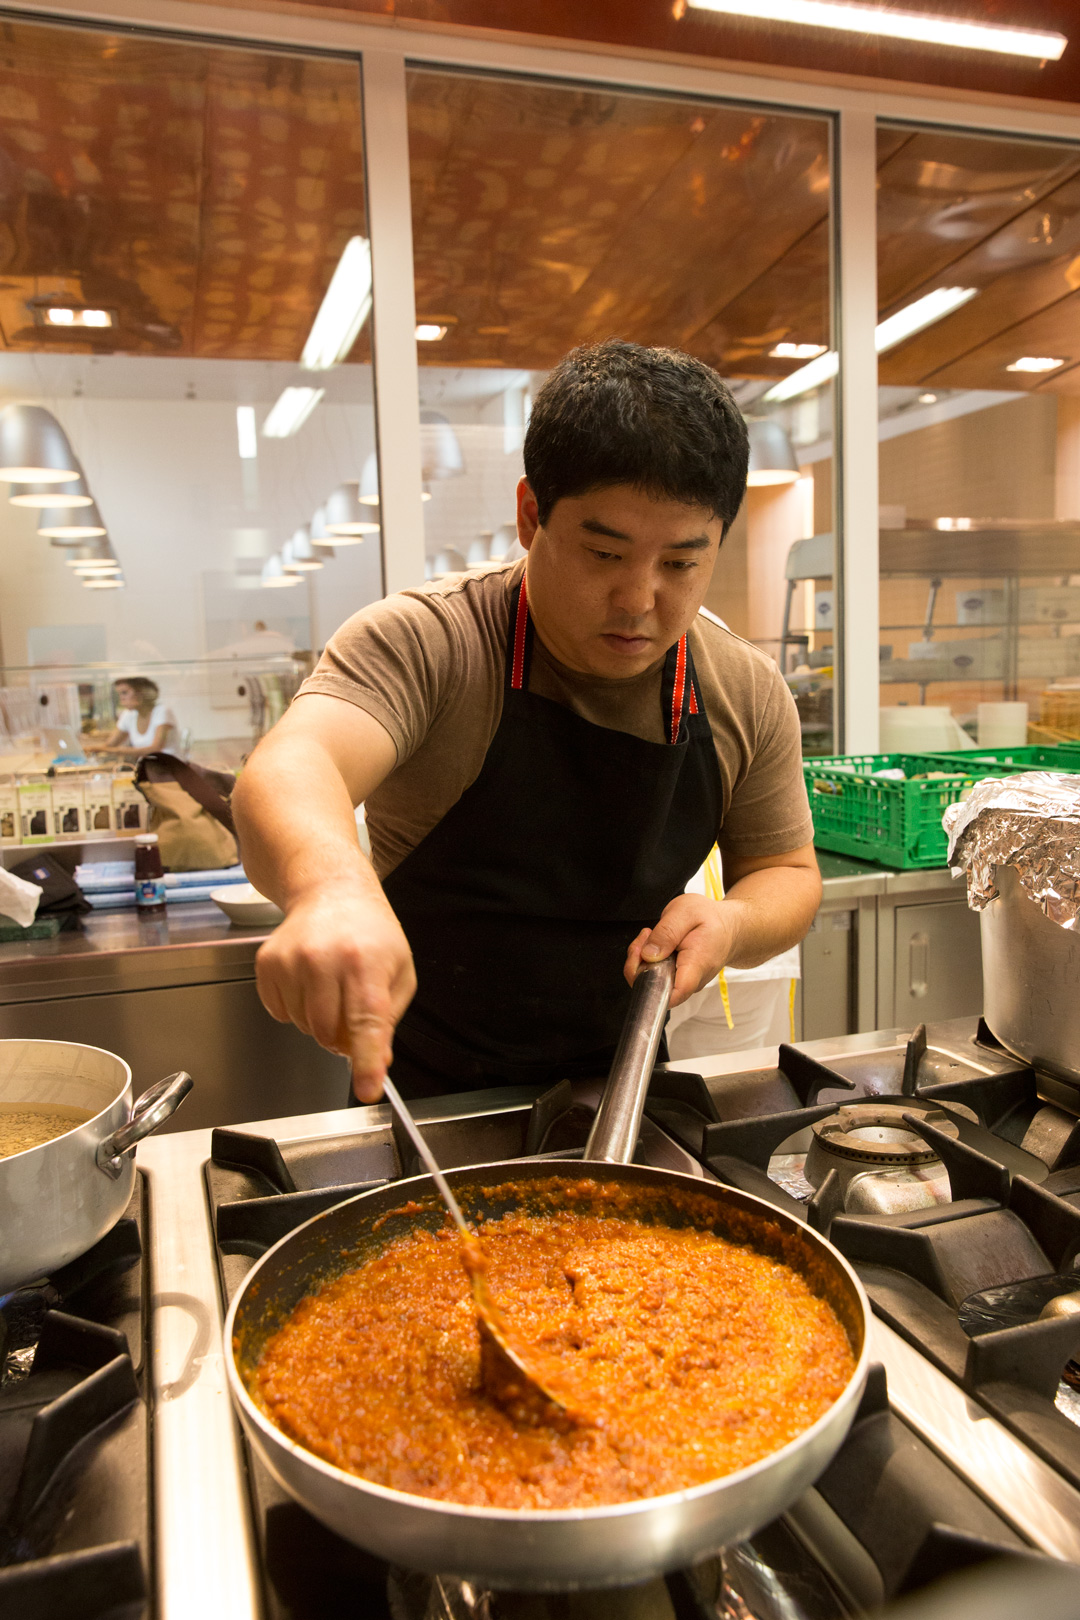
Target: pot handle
{"type": "Point", "coordinates": [151, 1110]}
{"type": "Point", "coordinates": [614, 1134]}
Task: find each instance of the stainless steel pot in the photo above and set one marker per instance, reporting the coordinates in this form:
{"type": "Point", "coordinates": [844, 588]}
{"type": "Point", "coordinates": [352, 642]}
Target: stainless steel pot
{"type": "Point", "coordinates": [1031, 986]}
{"type": "Point", "coordinates": [58, 1199]}
{"type": "Point", "coordinates": [532, 1549]}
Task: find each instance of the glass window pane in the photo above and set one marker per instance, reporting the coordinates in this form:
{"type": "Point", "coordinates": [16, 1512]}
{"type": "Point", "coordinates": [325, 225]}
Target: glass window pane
{"type": "Point", "coordinates": [171, 220]}
{"type": "Point", "coordinates": [547, 216]}
{"type": "Point", "coordinates": [979, 423]}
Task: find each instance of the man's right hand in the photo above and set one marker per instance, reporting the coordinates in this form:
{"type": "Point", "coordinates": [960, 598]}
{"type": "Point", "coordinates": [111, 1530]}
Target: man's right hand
{"type": "Point", "coordinates": [339, 968]}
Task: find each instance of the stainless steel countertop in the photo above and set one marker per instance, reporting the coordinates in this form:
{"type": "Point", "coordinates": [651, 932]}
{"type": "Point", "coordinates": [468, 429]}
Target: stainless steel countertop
{"type": "Point", "coordinates": [114, 951]}
{"type": "Point", "coordinates": [846, 879]}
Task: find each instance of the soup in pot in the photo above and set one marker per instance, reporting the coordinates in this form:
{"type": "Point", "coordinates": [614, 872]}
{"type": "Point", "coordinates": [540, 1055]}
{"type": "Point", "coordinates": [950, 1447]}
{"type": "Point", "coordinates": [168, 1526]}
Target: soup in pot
{"type": "Point", "coordinates": [28, 1125]}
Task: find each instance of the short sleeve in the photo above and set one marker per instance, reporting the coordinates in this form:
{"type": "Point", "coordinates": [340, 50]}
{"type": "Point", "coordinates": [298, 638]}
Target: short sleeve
{"type": "Point", "coordinates": [396, 660]}
{"type": "Point", "coordinates": [769, 813]}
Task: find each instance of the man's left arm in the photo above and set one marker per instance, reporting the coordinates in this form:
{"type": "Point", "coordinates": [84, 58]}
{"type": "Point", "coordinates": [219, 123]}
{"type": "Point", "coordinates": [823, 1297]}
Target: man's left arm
{"type": "Point", "coordinates": [769, 904]}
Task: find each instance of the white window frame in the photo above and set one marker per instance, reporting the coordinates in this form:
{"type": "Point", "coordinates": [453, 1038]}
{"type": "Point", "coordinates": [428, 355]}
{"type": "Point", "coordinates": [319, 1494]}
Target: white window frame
{"type": "Point", "coordinates": [385, 51]}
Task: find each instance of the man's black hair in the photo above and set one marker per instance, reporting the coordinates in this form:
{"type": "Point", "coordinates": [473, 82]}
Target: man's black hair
{"type": "Point", "coordinates": [617, 413]}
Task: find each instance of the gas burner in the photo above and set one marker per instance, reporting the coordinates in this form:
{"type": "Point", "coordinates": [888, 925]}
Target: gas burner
{"type": "Point", "coordinates": [873, 1136]}
{"type": "Point", "coordinates": [881, 1163]}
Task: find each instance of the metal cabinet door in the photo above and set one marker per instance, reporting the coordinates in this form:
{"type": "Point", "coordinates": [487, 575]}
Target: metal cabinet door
{"type": "Point", "coordinates": [826, 991]}
{"type": "Point", "coordinates": [938, 962]}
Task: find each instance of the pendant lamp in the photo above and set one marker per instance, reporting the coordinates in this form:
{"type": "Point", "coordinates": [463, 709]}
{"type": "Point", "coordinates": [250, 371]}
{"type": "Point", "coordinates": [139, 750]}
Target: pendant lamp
{"type": "Point", "coordinates": [104, 582]}
{"type": "Point", "coordinates": [64, 525]}
{"type": "Point", "coordinates": [274, 575]}
{"type": "Point", "coordinates": [299, 555]}
{"type": "Point", "coordinates": [347, 520]}
{"type": "Point", "coordinates": [52, 497]}
{"type": "Point", "coordinates": [369, 481]}
{"type": "Point", "coordinates": [91, 557]}
{"type": "Point", "coordinates": [34, 448]}
{"type": "Point", "coordinates": [772, 458]}
{"type": "Point", "coordinates": [440, 452]}
{"type": "Point", "coordinates": [448, 561]}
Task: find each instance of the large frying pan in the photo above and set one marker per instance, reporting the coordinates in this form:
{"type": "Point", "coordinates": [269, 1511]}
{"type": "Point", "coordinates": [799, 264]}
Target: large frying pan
{"type": "Point", "coordinates": [531, 1549]}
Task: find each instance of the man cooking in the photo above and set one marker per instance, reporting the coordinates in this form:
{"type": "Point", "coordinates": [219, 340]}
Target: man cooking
{"type": "Point", "coordinates": [547, 751]}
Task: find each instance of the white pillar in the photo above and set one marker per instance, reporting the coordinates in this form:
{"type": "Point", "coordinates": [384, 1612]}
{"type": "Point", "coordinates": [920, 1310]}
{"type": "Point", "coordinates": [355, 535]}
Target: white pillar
{"type": "Point", "coordinates": [858, 609]}
{"type": "Point", "coordinates": [393, 318]}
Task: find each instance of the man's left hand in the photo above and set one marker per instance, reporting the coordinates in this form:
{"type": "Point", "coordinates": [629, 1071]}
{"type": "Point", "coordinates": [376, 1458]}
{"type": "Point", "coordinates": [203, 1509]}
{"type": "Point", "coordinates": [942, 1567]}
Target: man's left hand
{"type": "Point", "coordinates": [703, 934]}
{"type": "Point", "coordinates": [769, 905]}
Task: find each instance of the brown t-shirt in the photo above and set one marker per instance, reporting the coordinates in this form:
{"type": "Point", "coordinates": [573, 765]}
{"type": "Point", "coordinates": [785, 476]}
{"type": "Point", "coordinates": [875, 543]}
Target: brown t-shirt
{"type": "Point", "coordinates": [429, 664]}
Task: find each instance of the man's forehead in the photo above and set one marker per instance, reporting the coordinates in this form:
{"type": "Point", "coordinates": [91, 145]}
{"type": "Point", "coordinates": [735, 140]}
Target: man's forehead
{"type": "Point", "coordinates": [627, 513]}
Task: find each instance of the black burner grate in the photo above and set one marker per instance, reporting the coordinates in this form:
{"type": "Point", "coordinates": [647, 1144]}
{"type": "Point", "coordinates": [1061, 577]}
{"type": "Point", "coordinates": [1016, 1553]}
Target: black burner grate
{"type": "Point", "coordinates": [74, 1437]}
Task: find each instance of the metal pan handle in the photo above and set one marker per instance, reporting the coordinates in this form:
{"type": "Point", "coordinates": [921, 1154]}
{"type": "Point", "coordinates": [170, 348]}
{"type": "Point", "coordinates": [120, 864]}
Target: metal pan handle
{"type": "Point", "coordinates": [151, 1110]}
{"type": "Point", "coordinates": [614, 1134]}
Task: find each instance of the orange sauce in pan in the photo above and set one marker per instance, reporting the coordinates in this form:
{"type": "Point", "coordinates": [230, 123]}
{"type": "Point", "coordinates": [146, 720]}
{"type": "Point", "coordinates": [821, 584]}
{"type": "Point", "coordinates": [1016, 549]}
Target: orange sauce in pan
{"type": "Point", "coordinates": [689, 1354]}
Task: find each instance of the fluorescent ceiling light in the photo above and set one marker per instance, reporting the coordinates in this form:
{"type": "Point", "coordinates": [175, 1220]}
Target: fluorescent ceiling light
{"type": "Point", "coordinates": [797, 351]}
{"type": "Point", "coordinates": [429, 332]}
{"type": "Point", "coordinates": [1035, 362]}
{"type": "Point", "coordinates": [889, 24]}
{"type": "Point", "coordinates": [290, 411]}
{"type": "Point", "coordinates": [60, 316]}
{"type": "Point", "coordinates": [815, 375]}
{"type": "Point", "coordinates": [246, 438]}
{"type": "Point", "coordinates": [934, 306]}
{"type": "Point", "coordinates": [344, 309]}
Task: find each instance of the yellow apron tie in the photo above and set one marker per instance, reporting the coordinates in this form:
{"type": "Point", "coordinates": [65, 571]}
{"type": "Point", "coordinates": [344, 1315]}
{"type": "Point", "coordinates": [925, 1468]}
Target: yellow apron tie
{"type": "Point", "coordinates": [714, 888]}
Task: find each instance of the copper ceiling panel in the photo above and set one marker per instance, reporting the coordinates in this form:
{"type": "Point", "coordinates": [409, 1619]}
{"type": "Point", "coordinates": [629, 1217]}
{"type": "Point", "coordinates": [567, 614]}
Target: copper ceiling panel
{"type": "Point", "coordinates": [1054, 332]}
{"type": "Point", "coordinates": [202, 195]}
{"type": "Point", "coordinates": [282, 193]}
{"type": "Point", "coordinates": [940, 195]}
{"type": "Point", "coordinates": [546, 217]}
{"type": "Point", "coordinates": [1021, 270]}
{"type": "Point", "coordinates": [789, 301]}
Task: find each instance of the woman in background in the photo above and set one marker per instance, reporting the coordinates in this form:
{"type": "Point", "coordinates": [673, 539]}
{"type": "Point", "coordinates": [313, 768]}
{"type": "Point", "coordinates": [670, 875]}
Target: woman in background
{"type": "Point", "coordinates": [143, 725]}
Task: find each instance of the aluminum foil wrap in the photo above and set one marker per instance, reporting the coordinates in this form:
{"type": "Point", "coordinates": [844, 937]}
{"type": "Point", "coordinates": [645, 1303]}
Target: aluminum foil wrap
{"type": "Point", "coordinates": [1030, 822]}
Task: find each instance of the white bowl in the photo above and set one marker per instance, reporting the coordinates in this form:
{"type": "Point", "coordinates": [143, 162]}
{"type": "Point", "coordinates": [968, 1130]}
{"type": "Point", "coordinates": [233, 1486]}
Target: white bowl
{"type": "Point", "coordinates": [242, 903]}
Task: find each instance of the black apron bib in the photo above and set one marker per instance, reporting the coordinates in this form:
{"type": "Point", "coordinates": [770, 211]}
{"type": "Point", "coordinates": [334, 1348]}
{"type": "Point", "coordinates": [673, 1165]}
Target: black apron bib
{"type": "Point", "coordinates": [521, 903]}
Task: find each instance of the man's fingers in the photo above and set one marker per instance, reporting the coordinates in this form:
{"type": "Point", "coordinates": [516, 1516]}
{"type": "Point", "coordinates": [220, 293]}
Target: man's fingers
{"type": "Point", "coordinates": [367, 1031]}
{"type": "Point", "coordinates": [678, 919]}
{"type": "Point", "coordinates": [633, 956]}
{"type": "Point", "coordinates": [691, 971]}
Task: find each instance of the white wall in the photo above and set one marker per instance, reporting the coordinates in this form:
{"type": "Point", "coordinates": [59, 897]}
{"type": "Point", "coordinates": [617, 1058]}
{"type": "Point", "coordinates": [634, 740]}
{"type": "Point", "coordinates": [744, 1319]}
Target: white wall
{"type": "Point", "coordinates": [180, 504]}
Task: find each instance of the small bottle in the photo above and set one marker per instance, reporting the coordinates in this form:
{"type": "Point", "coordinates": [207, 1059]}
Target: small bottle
{"type": "Point", "coordinates": [149, 876]}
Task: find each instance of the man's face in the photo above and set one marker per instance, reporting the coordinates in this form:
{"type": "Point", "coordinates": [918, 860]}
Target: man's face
{"type": "Point", "coordinates": [615, 577]}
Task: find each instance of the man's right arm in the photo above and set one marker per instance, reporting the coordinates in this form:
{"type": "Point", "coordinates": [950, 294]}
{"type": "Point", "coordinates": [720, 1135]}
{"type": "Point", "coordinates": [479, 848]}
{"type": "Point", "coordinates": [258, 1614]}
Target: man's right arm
{"type": "Point", "coordinates": [339, 967]}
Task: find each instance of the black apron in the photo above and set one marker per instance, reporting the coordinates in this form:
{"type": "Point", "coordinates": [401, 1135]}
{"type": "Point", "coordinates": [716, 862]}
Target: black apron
{"type": "Point", "coordinates": [521, 903]}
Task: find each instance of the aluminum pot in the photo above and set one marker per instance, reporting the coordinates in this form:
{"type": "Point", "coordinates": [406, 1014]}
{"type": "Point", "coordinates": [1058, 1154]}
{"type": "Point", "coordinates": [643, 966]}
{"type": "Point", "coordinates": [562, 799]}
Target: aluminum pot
{"type": "Point", "coordinates": [58, 1199]}
{"type": "Point", "coordinates": [531, 1549]}
{"type": "Point", "coordinates": [1031, 986]}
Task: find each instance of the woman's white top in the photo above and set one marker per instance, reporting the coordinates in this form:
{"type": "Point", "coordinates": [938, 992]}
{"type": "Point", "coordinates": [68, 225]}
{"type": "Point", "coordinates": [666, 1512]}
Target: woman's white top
{"type": "Point", "coordinates": [160, 715]}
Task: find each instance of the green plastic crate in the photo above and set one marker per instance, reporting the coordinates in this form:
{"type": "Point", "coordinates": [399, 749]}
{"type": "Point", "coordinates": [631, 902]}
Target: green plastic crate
{"type": "Point", "coordinates": [892, 823]}
{"type": "Point", "coordinates": [1009, 761]}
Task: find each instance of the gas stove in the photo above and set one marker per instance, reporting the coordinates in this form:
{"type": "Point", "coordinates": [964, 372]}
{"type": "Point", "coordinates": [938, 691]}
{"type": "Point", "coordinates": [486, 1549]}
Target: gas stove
{"type": "Point", "coordinates": [929, 1159]}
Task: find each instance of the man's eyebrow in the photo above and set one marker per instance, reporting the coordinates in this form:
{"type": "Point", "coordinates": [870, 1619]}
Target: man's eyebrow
{"type": "Point", "coordinates": [700, 542]}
